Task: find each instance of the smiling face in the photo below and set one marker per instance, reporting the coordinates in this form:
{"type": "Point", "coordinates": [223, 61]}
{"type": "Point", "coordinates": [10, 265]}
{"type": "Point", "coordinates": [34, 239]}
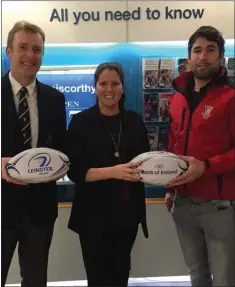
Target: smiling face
{"type": "Point", "coordinates": [205, 59]}
{"type": "Point", "coordinates": [109, 89]}
{"type": "Point", "coordinates": [25, 55]}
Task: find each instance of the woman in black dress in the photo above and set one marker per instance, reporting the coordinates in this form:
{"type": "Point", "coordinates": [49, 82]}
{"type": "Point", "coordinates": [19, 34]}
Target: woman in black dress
{"type": "Point", "coordinates": [109, 199]}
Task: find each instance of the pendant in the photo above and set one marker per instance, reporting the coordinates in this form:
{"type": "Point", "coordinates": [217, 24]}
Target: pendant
{"type": "Point", "coordinates": [116, 154]}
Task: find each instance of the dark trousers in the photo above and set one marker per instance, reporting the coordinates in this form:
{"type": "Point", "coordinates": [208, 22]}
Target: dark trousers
{"type": "Point", "coordinates": [33, 250]}
{"type": "Point", "coordinates": [106, 255]}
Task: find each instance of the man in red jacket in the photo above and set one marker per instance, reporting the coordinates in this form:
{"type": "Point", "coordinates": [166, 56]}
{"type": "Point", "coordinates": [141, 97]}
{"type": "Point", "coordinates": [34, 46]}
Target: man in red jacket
{"type": "Point", "coordinates": [202, 130]}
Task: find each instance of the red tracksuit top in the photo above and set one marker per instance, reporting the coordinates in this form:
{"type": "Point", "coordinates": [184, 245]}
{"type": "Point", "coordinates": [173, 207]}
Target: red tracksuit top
{"type": "Point", "coordinates": [206, 133]}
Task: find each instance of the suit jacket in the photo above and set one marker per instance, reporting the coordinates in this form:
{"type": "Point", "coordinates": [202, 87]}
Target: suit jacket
{"type": "Point", "coordinates": [36, 201]}
{"type": "Point", "coordinates": [102, 203]}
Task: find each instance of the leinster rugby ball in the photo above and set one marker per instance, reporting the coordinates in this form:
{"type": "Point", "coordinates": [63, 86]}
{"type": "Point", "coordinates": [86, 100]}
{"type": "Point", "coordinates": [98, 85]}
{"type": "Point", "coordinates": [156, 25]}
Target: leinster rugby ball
{"type": "Point", "coordinates": [160, 168]}
{"type": "Point", "coordinates": [38, 165]}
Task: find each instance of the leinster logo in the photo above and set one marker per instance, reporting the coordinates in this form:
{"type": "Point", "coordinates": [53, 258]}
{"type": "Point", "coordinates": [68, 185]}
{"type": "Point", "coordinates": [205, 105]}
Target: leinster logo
{"type": "Point", "coordinates": [40, 163]}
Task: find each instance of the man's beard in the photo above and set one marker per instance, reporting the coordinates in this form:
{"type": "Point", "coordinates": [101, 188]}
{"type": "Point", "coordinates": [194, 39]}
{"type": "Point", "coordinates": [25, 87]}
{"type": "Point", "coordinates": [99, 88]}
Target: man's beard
{"type": "Point", "coordinates": [207, 74]}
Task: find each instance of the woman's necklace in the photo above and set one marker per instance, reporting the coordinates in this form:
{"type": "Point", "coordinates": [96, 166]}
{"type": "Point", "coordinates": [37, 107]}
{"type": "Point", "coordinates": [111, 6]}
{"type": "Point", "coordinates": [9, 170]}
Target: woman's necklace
{"type": "Point", "coordinates": [116, 145]}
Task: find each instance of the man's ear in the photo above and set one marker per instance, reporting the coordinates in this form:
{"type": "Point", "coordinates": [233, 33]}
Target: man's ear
{"type": "Point", "coordinates": [189, 59]}
{"type": "Point", "coordinates": [8, 52]}
{"type": "Point", "coordinates": [221, 57]}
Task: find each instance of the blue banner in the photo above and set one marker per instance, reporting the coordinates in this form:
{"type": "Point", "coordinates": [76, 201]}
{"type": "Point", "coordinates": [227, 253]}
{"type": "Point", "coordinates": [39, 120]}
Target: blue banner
{"type": "Point", "coordinates": [77, 86]}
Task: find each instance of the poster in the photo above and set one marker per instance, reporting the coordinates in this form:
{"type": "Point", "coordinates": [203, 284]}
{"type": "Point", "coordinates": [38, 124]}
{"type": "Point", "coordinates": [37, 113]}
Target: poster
{"type": "Point", "coordinates": [182, 66]}
{"type": "Point", "coordinates": [150, 73]}
{"type": "Point", "coordinates": [76, 85]}
{"type": "Point", "coordinates": [164, 106]}
{"type": "Point", "coordinates": [153, 131]}
{"type": "Point", "coordinates": [166, 73]}
{"type": "Point", "coordinates": [150, 106]}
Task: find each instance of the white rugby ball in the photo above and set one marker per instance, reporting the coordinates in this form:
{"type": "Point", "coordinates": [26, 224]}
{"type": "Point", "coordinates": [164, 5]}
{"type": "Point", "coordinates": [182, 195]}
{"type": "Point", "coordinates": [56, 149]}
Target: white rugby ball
{"type": "Point", "coordinates": [38, 165]}
{"type": "Point", "coordinates": [147, 155]}
{"type": "Point", "coordinates": [161, 169]}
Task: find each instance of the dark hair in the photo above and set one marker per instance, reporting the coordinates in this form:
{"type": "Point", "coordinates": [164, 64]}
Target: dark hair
{"type": "Point", "coordinates": [211, 34]}
{"type": "Point", "coordinates": [118, 69]}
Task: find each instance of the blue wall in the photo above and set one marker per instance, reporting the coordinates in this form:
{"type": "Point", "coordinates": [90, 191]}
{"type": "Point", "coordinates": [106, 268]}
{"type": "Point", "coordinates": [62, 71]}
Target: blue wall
{"type": "Point", "coordinates": [127, 54]}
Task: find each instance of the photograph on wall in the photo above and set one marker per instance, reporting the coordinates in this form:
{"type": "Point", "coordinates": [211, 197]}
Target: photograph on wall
{"type": "Point", "coordinates": [150, 73]}
{"type": "Point", "coordinates": [150, 106]}
{"type": "Point", "coordinates": [153, 131]}
{"type": "Point", "coordinates": [231, 69]}
{"type": "Point", "coordinates": [182, 66]}
{"type": "Point", "coordinates": [166, 73]}
{"type": "Point", "coordinates": [163, 138]}
{"type": "Point", "coordinates": [164, 106]}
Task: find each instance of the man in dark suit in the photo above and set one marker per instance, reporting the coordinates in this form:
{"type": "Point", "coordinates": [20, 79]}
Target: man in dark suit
{"type": "Point", "coordinates": [33, 115]}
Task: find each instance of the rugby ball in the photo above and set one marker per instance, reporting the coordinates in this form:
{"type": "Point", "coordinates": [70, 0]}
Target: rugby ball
{"type": "Point", "coordinates": [38, 165]}
{"type": "Point", "coordinates": [146, 155]}
{"type": "Point", "coordinates": [160, 169]}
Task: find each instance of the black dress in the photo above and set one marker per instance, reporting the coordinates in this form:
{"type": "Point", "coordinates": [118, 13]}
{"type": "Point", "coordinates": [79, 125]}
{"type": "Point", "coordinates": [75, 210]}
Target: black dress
{"type": "Point", "coordinates": [106, 213]}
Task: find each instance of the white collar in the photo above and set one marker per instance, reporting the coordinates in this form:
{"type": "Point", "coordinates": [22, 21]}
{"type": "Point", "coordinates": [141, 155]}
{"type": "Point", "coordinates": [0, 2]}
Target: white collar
{"type": "Point", "coordinates": [17, 86]}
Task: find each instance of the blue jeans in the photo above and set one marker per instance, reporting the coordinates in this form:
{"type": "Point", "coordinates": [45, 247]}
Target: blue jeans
{"type": "Point", "coordinates": [206, 232]}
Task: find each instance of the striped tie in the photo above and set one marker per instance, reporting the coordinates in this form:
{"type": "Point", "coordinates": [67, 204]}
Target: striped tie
{"type": "Point", "coordinates": [24, 117]}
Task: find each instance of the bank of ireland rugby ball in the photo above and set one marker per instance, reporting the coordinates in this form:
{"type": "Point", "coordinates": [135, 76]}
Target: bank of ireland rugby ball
{"type": "Point", "coordinates": [151, 154]}
{"type": "Point", "coordinates": [161, 168]}
{"type": "Point", "coordinates": [38, 165]}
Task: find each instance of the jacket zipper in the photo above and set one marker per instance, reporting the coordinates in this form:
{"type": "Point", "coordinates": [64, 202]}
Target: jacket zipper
{"type": "Point", "coordinates": [186, 140]}
{"type": "Point", "coordinates": [182, 118]}
{"type": "Point", "coordinates": [187, 133]}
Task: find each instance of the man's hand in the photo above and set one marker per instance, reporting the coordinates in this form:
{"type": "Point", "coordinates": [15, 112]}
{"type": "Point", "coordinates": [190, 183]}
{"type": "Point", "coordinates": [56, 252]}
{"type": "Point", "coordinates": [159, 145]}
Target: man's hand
{"type": "Point", "coordinates": [169, 199]}
{"type": "Point", "coordinates": [5, 176]}
{"type": "Point", "coordinates": [195, 170]}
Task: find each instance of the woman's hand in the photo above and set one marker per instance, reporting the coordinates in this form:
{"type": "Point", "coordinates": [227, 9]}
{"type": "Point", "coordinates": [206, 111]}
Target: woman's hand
{"type": "Point", "coordinates": [128, 171]}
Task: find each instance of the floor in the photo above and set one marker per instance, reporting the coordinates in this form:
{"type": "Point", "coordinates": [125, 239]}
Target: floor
{"type": "Point", "coordinates": [148, 281]}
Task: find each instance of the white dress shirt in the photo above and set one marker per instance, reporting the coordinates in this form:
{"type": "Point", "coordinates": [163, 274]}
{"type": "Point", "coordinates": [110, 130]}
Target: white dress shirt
{"type": "Point", "coordinates": [32, 103]}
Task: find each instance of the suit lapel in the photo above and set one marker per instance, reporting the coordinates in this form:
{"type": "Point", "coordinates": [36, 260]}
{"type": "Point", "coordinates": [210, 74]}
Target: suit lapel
{"type": "Point", "coordinates": [10, 124]}
{"type": "Point", "coordinates": [8, 96]}
{"type": "Point", "coordinates": [10, 113]}
{"type": "Point", "coordinates": [9, 103]}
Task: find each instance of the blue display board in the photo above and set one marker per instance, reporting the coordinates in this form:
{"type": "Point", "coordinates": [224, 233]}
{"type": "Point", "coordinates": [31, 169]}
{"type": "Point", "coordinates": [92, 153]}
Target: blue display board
{"type": "Point", "coordinates": [76, 85]}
